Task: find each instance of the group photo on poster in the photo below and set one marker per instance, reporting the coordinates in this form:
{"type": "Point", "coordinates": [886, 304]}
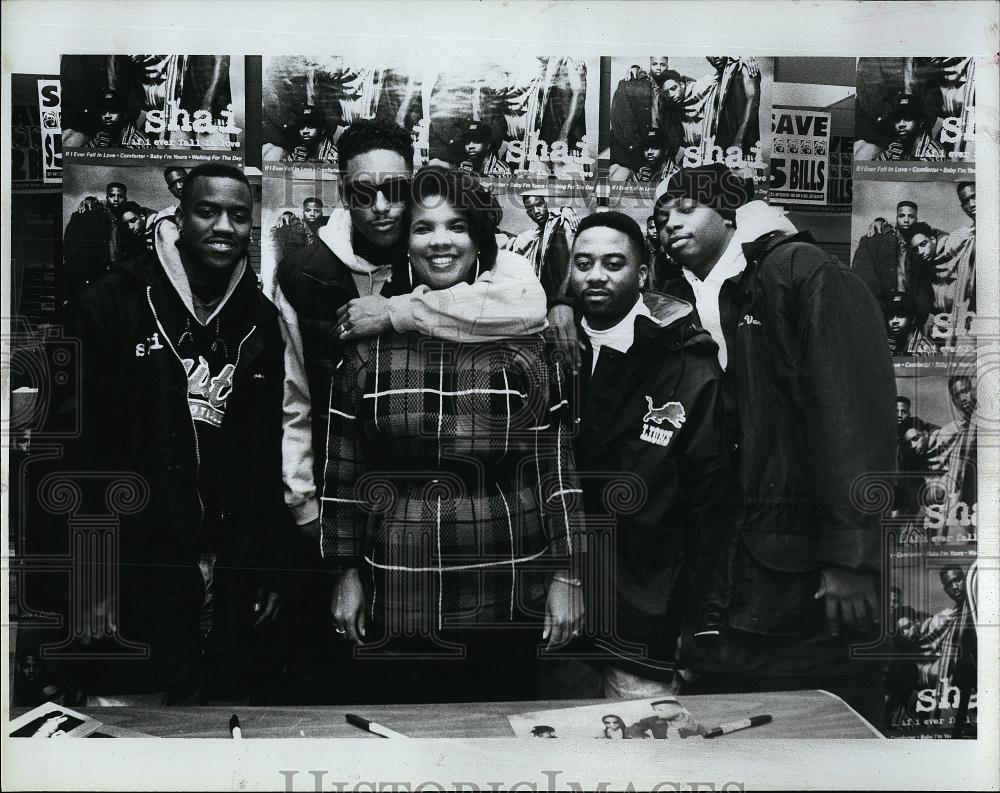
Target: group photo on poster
{"type": "Point", "coordinates": [161, 101]}
{"type": "Point", "coordinates": [935, 506]}
{"type": "Point", "coordinates": [914, 246]}
{"type": "Point", "coordinates": [492, 118]}
{"type": "Point", "coordinates": [932, 668]}
{"type": "Point", "coordinates": [916, 109]}
{"type": "Point", "coordinates": [665, 112]}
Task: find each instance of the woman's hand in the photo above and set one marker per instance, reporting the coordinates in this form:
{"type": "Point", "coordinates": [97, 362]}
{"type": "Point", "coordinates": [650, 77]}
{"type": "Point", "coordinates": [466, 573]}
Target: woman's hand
{"type": "Point", "coordinates": [347, 605]}
{"type": "Point", "coordinates": [563, 613]}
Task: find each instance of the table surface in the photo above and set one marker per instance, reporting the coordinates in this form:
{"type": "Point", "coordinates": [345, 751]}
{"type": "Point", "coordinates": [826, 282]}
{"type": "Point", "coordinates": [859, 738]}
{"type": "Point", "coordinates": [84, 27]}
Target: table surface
{"type": "Point", "coordinates": [796, 714]}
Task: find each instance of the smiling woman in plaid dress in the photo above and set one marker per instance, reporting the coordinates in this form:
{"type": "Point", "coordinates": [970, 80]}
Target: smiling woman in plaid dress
{"type": "Point", "coordinates": [450, 490]}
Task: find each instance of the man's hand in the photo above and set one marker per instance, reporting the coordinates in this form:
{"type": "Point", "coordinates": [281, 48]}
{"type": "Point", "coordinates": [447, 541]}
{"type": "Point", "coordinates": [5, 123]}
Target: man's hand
{"type": "Point", "coordinates": [895, 150]}
{"type": "Point", "coordinates": [347, 605]}
{"type": "Point", "coordinates": [563, 613]}
{"type": "Point", "coordinates": [363, 317]}
{"type": "Point", "coordinates": [850, 599]}
{"type": "Point", "coordinates": [562, 333]}
{"type": "Point", "coordinates": [266, 605]}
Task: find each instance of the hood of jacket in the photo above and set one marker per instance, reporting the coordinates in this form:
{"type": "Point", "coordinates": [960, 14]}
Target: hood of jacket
{"type": "Point", "coordinates": [672, 323]}
{"type": "Point", "coordinates": [337, 235]}
{"type": "Point", "coordinates": [167, 236]}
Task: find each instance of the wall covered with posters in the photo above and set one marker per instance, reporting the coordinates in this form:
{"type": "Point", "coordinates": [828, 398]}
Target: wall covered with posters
{"type": "Point", "coordinates": [882, 173]}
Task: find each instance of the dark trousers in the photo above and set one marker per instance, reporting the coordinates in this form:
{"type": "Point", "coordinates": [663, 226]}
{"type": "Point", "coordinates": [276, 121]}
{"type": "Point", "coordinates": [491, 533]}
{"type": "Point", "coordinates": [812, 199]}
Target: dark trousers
{"type": "Point", "coordinates": [864, 693]}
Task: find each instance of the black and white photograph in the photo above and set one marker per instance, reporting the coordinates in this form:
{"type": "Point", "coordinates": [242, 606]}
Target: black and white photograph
{"type": "Point", "coordinates": [665, 112]}
{"type": "Point", "coordinates": [935, 509]}
{"type": "Point", "coordinates": [932, 659]}
{"type": "Point", "coordinates": [916, 109]}
{"type": "Point", "coordinates": [914, 245]}
{"type": "Point", "coordinates": [405, 416]}
{"type": "Point", "coordinates": [493, 118]}
{"type": "Point", "coordinates": [159, 101]}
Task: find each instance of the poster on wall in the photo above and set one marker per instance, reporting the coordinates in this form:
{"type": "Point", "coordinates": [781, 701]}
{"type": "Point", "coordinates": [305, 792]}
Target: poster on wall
{"type": "Point", "coordinates": [496, 118]}
{"type": "Point", "coordinates": [35, 136]}
{"type": "Point", "coordinates": [800, 163]}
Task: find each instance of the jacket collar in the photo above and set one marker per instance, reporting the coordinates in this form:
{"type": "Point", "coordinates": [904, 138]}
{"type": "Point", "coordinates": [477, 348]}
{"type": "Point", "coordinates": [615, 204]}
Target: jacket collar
{"type": "Point", "coordinates": [757, 249]}
{"type": "Point", "coordinates": [173, 268]}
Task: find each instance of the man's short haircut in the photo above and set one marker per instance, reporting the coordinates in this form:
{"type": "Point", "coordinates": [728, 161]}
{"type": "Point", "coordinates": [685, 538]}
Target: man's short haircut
{"type": "Point", "coordinates": [312, 200]}
{"type": "Point", "coordinates": [365, 135]}
{"type": "Point", "coordinates": [949, 568]}
{"type": "Point", "coordinates": [618, 221]}
{"type": "Point", "coordinates": [174, 169]}
{"type": "Point", "coordinates": [119, 185]}
{"type": "Point", "coordinates": [212, 170]}
{"type": "Point", "coordinates": [917, 228]}
{"type": "Point", "coordinates": [904, 400]}
{"type": "Point", "coordinates": [132, 206]}
{"type": "Point", "coordinates": [670, 74]}
{"type": "Point", "coordinates": [907, 203]}
{"type": "Point", "coordinates": [665, 701]}
{"type": "Point", "coordinates": [962, 185]}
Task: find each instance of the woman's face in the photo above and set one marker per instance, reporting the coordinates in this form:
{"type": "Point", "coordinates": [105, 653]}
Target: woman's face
{"type": "Point", "coordinates": [442, 251]}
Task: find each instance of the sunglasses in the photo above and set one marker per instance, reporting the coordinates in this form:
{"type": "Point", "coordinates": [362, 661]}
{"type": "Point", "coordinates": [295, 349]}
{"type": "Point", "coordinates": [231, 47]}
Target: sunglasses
{"type": "Point", "coordinates": [362, 195]}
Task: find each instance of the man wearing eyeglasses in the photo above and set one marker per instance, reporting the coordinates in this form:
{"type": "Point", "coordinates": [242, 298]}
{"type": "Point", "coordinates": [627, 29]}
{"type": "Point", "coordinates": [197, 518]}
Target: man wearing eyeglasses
{"type": "Point", "coordinates": [336, 291]}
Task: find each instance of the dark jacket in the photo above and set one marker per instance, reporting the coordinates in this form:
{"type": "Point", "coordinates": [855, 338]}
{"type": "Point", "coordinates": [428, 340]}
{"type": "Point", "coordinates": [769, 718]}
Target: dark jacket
{"type": "Point", "coordinates": [317, 283]}
{"type": "Point", "coordinates": [653, 467]}
{"type": "Point", "coordinates": [875, 263]}
{"type": "Point", "coordinates": [810, 387]}
{"type": "Point", "coordinates": [86, 249]}
{"type": "Point", "coordinates": [137, 427]}
{"type": "Point", "coordinates": [631, 116]}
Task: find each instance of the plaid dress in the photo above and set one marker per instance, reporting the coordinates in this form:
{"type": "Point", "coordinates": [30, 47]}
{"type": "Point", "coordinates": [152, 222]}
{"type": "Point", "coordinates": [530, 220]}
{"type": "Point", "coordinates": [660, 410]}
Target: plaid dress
{"type": "Point", "coordinates": [449, 480]}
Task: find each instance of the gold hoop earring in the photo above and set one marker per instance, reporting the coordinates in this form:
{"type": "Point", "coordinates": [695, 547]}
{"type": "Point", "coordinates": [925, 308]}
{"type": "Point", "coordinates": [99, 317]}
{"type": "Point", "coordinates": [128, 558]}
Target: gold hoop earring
{"type": "Point", "coordinates": [477, 268]}
{"type": "Point", "coordinates": [409, 267]}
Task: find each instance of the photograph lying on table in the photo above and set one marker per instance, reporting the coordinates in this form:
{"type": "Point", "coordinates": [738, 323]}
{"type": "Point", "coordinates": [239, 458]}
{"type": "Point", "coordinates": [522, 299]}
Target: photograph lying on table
{"type": "Point", "coordinates": [665, 717]}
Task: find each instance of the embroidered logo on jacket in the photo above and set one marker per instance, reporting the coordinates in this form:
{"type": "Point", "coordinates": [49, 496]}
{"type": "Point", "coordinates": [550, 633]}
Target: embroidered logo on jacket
{"type": "Point", "coordinates": [207, 395]}
{"type": "Point", "coordinates": [671, 412]}
{"type": "Point", "coordinates": [750, 319]}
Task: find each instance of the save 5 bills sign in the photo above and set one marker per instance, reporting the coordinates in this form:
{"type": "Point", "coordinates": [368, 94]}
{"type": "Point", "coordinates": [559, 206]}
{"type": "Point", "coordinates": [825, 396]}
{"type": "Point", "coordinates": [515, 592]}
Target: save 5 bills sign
{"type": "Point", "coordinates": [800, 163]}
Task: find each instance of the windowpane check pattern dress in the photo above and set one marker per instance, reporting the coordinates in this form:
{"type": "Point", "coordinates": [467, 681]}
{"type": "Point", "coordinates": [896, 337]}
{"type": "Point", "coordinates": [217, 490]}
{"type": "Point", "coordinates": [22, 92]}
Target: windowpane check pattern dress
{"type": "Point", "coordinates": [450, 482]}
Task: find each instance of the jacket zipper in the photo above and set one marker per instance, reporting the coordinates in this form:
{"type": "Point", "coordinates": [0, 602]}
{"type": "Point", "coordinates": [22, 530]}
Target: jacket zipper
{"type": "Point", "coordinates": [194, 429]}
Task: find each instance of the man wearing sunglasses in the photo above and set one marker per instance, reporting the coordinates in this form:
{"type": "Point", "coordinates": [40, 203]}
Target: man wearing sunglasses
{"type": "Point", "coordinates": [336, 291]}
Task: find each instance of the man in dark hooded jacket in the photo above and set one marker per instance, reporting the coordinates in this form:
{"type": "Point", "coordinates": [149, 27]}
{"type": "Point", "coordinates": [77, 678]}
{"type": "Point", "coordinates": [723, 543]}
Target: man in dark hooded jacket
{"type": "Point", "coordinates": [176, 467]}
{"type": "Point", "coordinates": [809, 393]}
{"type": "Point", "coordinates": [650, 453]}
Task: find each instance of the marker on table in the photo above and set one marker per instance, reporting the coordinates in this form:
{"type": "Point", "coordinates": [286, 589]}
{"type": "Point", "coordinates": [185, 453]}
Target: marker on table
{"type": "Point", "coordinates": [733, 726]}
{"type": "Point", "coordinates": [373, 727]}
{"type": "Point", "coordinates": [234, 726]}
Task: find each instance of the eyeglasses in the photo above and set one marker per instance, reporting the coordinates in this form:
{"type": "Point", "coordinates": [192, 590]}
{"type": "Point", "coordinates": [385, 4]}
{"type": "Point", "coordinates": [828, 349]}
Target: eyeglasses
{"type": "Point", "coordinates": [362, 195]}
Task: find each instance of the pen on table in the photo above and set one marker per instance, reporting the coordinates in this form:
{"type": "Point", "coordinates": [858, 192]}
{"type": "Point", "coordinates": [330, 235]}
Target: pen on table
{"type": "Point", "coordinates": [373, 727]}
{"type": "Point", "coordinates": [234, 726]}
{"type": "Point", "coordinates": [733, 726]}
